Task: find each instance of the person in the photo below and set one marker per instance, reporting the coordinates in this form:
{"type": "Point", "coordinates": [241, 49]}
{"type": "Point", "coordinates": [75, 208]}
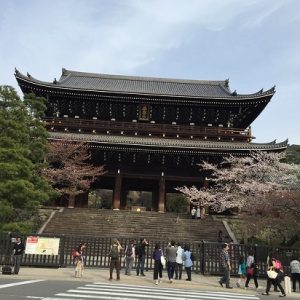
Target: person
{"type": "Point", "coordinates": [141, 255]}
{"type": "Point", "coordinates": [251, 269]}
{"type": "Point", "coordinates": [225, 266]}
{"type": "Point", "coordinates": [295, 272]}
{"type": "Point", "coordinates": [18, 251]}
{"type": "Point", "coordinates": [193, 213]}
{"type": "Point", "coordinates": [198, 214]}
{"type": "Point", "coordinates": [171, 260]}
{"type": "Point", "coordinates": [241, 271]}
{"type": "Point", "coordinates": [129, 257]}
{"type": "Point", "coordinates": [114, 255]}
{"type": "Point", "coordinates": [187, 260]}
{"type": "Point", "coordinates": [157, 254]}
{"type": "Point", "coordinates": [179, 262]}
{"type": "Point", "coordinates": [273, 266]}
{"type": "Point", "coordinates": [79, 260]}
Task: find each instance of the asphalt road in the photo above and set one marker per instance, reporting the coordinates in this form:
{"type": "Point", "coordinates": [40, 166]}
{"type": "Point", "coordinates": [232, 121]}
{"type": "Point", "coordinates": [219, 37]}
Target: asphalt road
{"type": "Point", "coordinates": [15, 289]}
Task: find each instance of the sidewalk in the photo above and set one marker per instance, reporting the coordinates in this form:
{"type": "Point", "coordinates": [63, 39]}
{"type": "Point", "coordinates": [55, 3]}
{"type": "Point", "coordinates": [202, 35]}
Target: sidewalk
{"type": "Point", "coordinates": [208, 283]}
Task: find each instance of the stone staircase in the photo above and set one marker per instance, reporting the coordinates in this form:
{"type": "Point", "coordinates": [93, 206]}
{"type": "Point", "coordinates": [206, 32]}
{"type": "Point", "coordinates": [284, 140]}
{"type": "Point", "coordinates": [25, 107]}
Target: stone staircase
{"type": "Point", "coordinates": [132, 224]}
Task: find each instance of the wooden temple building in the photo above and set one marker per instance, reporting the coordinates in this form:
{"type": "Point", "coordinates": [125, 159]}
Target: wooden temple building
{"type": "Point", "coordinates": [150, 133]}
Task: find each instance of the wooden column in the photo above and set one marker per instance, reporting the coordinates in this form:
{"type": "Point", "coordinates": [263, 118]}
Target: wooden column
{"type": "Point", "coordinates": [162, 193]}
{"type": "Point", "coordinates": [117, 191]}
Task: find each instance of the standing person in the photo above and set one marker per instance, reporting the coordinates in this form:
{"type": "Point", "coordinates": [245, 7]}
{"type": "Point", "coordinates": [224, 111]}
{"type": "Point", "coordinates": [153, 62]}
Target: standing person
{"type": "Point", "coordinates": [187, 260]}
{"type": "Point", "coordinates": [275, 266]}
{"type": "Point", "coordinates": [79, 260]}
{"type": "Point", "coordinates": [141, 255]}
{"type": "Point", "coordinates": [295, 272]}
{"type": "Point", "coordinates": [129, 257]}
{"type": "Point", "coordinates": [241, 271]}
{"type": "Point", "coordinates": [114, 255]}
{"type": "Point", "coordinates": [171, 252]}
{"type": "Point", "coordinates": [226, 266]}
{"type": "Point", "coordinates": [193, 213]}
{"type": "Point", "coordinates": [157, 254]}
{"type": "Point", "coordinates": [179, 262]}
{"type": "Point", "coordinates": [18, 250]}
{"type": "Point", "coordinates": [198, 214]}
{"type": "Point", "coordinates": [251, 269]}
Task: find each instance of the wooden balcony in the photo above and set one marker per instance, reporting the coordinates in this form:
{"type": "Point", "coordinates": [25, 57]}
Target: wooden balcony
{"type": "Point", "coordinates": [148, 129]}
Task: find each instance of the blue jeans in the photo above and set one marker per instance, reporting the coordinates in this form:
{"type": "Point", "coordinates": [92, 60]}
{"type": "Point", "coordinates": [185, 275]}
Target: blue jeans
{"type": "Point", "coordinates": [140, 265]}
{"type": "Point", "coordinates": [171, 269]}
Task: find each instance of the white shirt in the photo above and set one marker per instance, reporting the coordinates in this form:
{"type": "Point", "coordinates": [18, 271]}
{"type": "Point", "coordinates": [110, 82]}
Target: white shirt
{"type": "Point", "coordinates": [295, 266]}
{"type": "Point", "coordinates": [179, 255]}
{"type": "Point", "coordinates": [250, 261]}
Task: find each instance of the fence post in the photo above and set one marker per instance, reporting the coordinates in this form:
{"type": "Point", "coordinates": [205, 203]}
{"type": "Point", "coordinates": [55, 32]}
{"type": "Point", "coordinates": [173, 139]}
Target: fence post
{"type": "Point", "coordinates": [62, 260]}
{"type": "Point", "coordinates": [202, 270]}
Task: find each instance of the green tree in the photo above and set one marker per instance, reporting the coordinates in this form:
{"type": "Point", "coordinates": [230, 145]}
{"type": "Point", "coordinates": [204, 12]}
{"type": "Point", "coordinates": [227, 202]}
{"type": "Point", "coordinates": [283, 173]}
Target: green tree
{"type": "Point", "coordinates": [23, 142]}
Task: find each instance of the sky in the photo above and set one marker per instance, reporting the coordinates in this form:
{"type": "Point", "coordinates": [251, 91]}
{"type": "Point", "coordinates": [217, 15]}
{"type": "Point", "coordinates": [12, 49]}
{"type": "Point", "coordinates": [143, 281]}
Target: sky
{"type": "Point", "coordinates": [254, 43]}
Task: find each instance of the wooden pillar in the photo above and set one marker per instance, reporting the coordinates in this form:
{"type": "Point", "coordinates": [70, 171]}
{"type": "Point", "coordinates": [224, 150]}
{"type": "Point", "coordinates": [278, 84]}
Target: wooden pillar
{"type": "Point", "coordinates": [117, 190]}
{"type": "Point", "coordinates": [162, 193]}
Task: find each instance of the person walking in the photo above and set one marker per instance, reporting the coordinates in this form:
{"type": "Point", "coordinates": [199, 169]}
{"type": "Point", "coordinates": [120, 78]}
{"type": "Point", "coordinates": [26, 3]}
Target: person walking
{"type": "Point", "coordinates": [295, 272]}
{"type": "Point", "coordinates": [187, 261]}
{"type": "Point", "coordinates": [18, 251]}
{"type": "Point", "coordinates": [171, 252]}
{"type": "Point", "coordinates": [114, 255]}
{"type": "Point", "coordinates": [157, 254]}
{"type": "Point", "coordinates": [274, 276]}
{"type": "Point", "coordinates": [79, 260]}
{"type": "Point", "coordinates": [141, 255]}
{"type": "Point", "coordinates": [241, 271]}
{"type": "Point", "coordinates": [193, 212]}
{"type": "Point", "coordinates": [251, 269]}
{"type": "Point", "coordinates": [225, 266]}
{"type": "Point", "coordinates": [179, 262]}
{"type": "Point", "coordinates": [129, 257]}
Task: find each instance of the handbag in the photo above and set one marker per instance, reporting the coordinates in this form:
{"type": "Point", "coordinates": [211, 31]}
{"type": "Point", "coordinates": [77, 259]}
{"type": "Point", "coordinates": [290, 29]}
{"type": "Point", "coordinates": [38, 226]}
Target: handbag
{"type": "Point", "coordinates": [272, 274]}
{"type": "Point", "coordinates": [250, 271]}
{"type": "Point", "coordinates": [163, 260]}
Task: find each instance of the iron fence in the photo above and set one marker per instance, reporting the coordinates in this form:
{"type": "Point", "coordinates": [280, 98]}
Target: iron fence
{"type": "Point", "coordinates": [97, 253]}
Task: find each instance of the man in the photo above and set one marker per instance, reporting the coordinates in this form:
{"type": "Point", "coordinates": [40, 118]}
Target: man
{"type": "Point", "coordinates": [129, 257]}
{"type": "Point", "coordinates": [141, 255]}
{"type": "Point", "coordinates": [226, 267]}
{"type": "Point", "coordinates": [18, 249]}
{"type": "Point", "coordinates": [179, 262]}
{"type": "Point", "coordinates": [114, 255]}
{"type": "Point", "coordinates": [171, 253]}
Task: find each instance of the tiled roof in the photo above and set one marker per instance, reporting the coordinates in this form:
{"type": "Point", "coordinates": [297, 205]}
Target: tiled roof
{"type": "Point", "coordinates": [142, 85]}
{"type": "Point", "coordinates": [168, 144]}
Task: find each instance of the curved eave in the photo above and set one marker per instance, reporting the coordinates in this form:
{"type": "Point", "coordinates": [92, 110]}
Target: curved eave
{"type": "Point", "coordinates": [47, 87]}
{"type": "Point", "coordinates": [167, 144]}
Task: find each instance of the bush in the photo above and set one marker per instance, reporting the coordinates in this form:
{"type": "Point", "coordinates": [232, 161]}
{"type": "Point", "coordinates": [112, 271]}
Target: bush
{"type": "Point", "coordinates": [177, 203]}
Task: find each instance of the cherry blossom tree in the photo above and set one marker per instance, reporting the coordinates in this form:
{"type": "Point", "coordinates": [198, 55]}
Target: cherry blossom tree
{"type": "Point", "coordinates": [70, 170]}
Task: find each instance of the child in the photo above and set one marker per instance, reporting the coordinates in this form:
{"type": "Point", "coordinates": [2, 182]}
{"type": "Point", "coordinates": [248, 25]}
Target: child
{"type": "Point", "coordinates": [242, 270]}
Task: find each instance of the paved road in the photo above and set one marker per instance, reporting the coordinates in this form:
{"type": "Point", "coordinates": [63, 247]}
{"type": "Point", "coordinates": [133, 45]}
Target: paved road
{"type": "Point", "coordinates": [69, 290]}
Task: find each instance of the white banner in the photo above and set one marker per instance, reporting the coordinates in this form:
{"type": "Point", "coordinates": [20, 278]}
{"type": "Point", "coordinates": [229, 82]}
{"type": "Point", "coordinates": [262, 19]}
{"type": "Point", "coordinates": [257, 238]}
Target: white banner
{"type": "Point", "coordinates": [42, 245]}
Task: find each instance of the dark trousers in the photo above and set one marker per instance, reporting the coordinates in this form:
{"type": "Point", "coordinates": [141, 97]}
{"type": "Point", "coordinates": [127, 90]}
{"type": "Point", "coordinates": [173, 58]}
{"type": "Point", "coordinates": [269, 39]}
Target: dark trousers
{"type": "Point", "coordinates": [17, 263]}
{"type": "Point", "coordinates": [157, 269]}
{"type": "Point", "coordinates": [254, 278]}
{"type": "Point", "coordinates": [140, 265]}
{"type": "Point", "coordinates": [178, 271]}
{"type": "Point", "coordinates": [171, 269]}
{"type": "Point", "coordinates": [276, 283]}
{"type": "Point", "coordinates": [226, 276]}
{"type": "Point", "coordinates": [295, 277]}
{"type": "Point", "coordinates": [188, 273]}
{"type": "Point", "coordinates": [114, 263]}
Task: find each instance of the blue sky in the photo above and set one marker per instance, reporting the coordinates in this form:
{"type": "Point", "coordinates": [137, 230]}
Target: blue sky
{"type": "Point", "coordinates": [254, 43]}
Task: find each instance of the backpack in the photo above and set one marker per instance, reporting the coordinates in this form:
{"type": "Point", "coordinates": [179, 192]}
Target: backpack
{"type": "Point", "coordinates": [192, 256]}
{"type": "Point", "coordinates": [114, 253]}
{"type": "Point", "coordinates": [74, 253]}
{"type": "Point", "coordinates": [129, 250]}
{"type": "Point", "coordinates": [278, 264]}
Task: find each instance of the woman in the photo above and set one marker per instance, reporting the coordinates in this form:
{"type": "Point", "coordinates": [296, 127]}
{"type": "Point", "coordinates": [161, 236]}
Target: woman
{"type": "Point", "coordinates": [251, 269]}
{"type": "Point", "coordinates": [79, 260]}
{"type": "Point", "coordinates": [187, 261]}
{"type": "Point", "coordinates": [157, 254]}
{"type": "Point", "coordinates": [275, 281]}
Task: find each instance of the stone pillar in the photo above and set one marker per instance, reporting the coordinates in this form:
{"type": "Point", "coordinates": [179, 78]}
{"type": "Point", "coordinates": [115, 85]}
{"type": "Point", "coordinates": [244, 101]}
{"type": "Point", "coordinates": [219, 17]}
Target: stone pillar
{"type": "Point", "coordinates": [162, 193]}
{"type": "Point", "coordinates": [117, 191]}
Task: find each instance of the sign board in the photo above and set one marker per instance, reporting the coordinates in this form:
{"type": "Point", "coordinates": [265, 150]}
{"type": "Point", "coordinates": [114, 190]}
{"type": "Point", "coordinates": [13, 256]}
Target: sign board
{"type": "Point", "coordinates": [42, 245]}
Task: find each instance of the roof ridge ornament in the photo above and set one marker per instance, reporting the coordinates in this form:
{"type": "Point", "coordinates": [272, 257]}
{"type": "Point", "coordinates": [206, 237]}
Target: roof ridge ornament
{"type": "Point", "coordinates": [227, 82]}
{"type": "Point", "coordinates": [234, 93]}
{"type": "Point", "coordinates": [63, 71]}
{"type": "Point", "coordinates": [17, 72]}
{"type": "Point", "coordinates": [261, 91]}
{"type": "Point", "coordinates": [54, 81]}
{"type": "Point", "coordinates": [28, 75]}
